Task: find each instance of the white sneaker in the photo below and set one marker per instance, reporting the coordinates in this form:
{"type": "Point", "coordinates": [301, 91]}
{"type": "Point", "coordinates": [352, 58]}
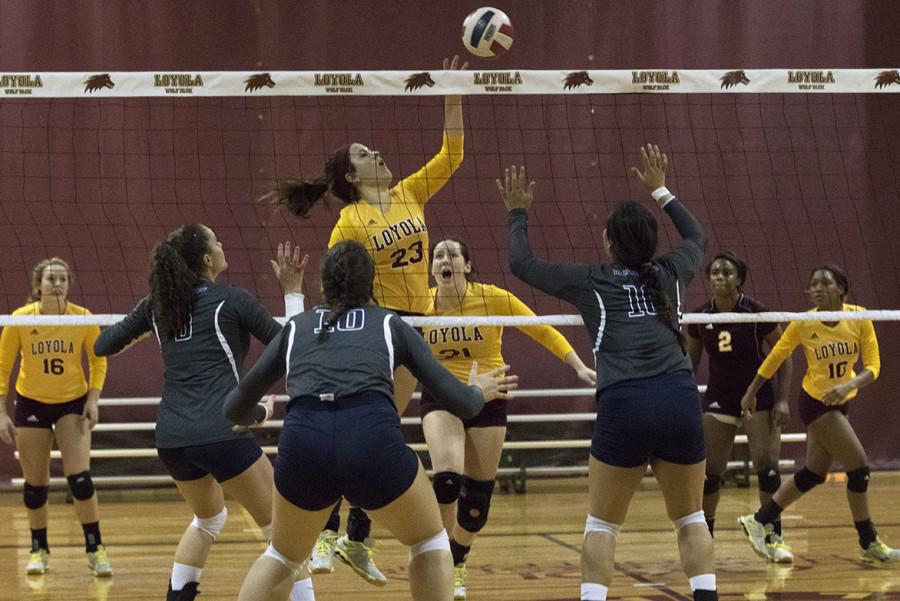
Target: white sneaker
{"type": "Point", "coordinates": [359, 557]}
{"type": "Point", "coordinates": [322, 560]}
{"type": "Point", "coordinates": [459, 582]}
{"type": "Point", "coordinates": [778, 551]}
{"type": "Point", "coordinates": [38, 563]}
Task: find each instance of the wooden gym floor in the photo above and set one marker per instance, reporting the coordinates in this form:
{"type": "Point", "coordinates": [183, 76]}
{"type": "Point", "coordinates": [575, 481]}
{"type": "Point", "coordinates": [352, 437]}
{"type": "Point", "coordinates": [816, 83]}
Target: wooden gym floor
{"type": "Point", "coordinates": [528, 552]}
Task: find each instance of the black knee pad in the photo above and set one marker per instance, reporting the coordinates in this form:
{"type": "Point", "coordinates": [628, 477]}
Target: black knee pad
{"type": "Point", "coordinates": [81, 485]}
{"type": "Point", "coordinates": [806, 480]}
{"type": "Point", "coordinates": [446, 487]}
{"type": "Point", "coordinates": [769, 479]}
{"type": "Point", "coordinates": [35, 496]}
{"type": "Point", "coordinates": [858, 480]}
{"type": "Point", "coordinates": [474, 503]}
{"type": "Point", "coordinates": [711, 484]}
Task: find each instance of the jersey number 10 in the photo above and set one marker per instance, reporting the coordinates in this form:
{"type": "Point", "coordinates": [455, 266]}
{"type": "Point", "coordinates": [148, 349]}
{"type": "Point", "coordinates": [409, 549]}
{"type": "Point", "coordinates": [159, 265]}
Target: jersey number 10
{"type": "Point", "coordinates": [640, 304]}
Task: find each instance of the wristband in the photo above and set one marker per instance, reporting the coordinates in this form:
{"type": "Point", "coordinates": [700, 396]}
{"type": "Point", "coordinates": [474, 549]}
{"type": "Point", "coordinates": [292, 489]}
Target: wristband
{"type": "Point", "coordinates": [660, 193]}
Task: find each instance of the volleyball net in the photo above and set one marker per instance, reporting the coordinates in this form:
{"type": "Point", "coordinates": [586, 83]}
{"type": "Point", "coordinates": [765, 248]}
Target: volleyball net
{"type": "Point", "coordinates": [788, 168]}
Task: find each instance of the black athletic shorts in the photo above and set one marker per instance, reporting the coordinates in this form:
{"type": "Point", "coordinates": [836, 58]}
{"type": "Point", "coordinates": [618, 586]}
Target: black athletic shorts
{"type": "Point", "coordinates": [493, 414]}
{"type": "Point", "coordinates": [811, 408]}
{"type": "Point", "coordinates": [224, 460]}
{"type": "Point", "coordinates": [657, 417]}
{"type": "Point", "coordinates": [30, 413]}
{"type": "Point", "coordinates": [350, 447]}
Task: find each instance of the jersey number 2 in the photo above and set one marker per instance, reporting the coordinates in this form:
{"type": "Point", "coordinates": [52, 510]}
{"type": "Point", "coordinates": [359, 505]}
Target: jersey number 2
{"type": "Point", "coordinates": [399, 255]}
{"type": "Point", "coordinates": [725, 341]}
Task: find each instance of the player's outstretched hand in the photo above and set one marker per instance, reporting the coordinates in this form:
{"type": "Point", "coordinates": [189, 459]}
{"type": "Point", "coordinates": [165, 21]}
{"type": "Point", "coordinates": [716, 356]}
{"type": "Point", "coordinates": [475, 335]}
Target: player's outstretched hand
{"type": "Point", "coordinates": [515, 189]}
{"type": "Point", "coordinates": [289, 267]}
{"type": "Point", "coordinates": [494, 384]}
{"type": "Point", "coordinates": [655, 164]}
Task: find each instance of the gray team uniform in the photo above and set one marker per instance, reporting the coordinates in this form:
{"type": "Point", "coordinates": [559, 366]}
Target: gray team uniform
{"type": "Point", "coordinates": [648, 403]}
{"type": "Point", "coordinates": [202, 364]}
{"type": "Point", "coordinates": [341, 434]}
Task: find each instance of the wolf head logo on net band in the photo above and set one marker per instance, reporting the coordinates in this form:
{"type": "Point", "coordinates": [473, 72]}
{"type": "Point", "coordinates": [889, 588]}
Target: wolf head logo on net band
{"type": "Point", "coordinates": [733, 78]}
{"type": "Point", "coordinates": [258, 81]}
{"type": "Point", "coordinates": [418, 80]}
{"type": "Point", "coordinates": [887, 78]}
{"type": "Point", "coordinates": [98, 82]}
{"type": "Point", "coordinates": [576, 79]}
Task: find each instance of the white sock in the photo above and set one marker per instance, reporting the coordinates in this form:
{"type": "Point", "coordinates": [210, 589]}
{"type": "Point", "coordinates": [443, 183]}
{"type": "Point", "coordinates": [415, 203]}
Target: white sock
{"type": "Point", "coordinates": [303, 591]}
{"type": "Point", "coordinates": [593, 592]}
{"type": "Point", "coordinates": [703, 582]}
{"type": "Point", "coordinates": [182, 574]}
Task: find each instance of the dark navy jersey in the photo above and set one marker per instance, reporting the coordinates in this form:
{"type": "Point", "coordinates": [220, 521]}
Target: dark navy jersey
{"type": "Point", "coordinates": [735, 351]}
{"type": "Point", "coordinates": [202, 363]}
{"type": "Point", "coordinates": [629, 341]}
{"type": "Point", "coordinates": [359, 355]}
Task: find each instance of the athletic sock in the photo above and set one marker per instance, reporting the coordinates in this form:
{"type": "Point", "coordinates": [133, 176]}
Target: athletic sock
{"type": "Point", "coordinates": [866, 531]}
{"type": "Point", "coordinates": [182, 574]}
{"type": "Point", "coordinates": [460, 552]}
{"type": "Point", "coordinates": [768, 513]}
{"type": "Point", "coordinates": [334, 520]}
{"type": "Point", "coordinates": [777, 525]}
{"type": "Point", "coordinates": [39, 539]}
{"type": "Point", "coordinates": [91, 536]}
{"type": "Point", "coordinates": [358, 525]}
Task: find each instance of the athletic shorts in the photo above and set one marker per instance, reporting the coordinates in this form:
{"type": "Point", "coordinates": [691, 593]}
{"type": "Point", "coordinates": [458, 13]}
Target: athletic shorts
{"type": "Point", "coordinates": [224, 460]}
{"type": "Point", "coordinates": [657, 417]}
{"type": "Point", "coordinates": [493, 414]}
{"type": "Point", "coordinates": [30, 413]}
{"type": "Point", "coordinates": [350, 447]}
{"type": "Point", "coordinates": [811, 408]}
{"type": "Point", "coordinates": [731, 407]}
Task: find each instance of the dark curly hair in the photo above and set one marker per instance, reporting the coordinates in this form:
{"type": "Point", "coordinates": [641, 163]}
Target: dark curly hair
{"type": "Point", "coordinates": [348, 276]}
{"type": "Point", "coordinates": [633, 233]}
{"type": "Point", "coordinates": [176, 268]}
{"type": "Point", "coordinates": [297, 196]}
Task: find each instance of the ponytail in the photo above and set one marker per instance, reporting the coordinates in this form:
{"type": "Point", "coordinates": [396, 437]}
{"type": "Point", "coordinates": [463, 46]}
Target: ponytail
{"type": "Point", "coordinates": [297, 196]}
{"type": "Point", "coordinates": [633, 234]}
{"type": "Point", "coordinates": [176, 266]}
{"type": "Point", "coordinates": [348, 274]}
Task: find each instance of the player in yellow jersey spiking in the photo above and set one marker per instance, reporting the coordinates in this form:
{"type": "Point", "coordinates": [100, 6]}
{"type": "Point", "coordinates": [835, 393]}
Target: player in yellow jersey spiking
{"type": "Point", "coordinates": [832, 350]}
{"type": "Point", "coordinates": [389, 221]}
{"type": "Point", "coordinates": [464, 481]}
{"type": "Point", "coordinates": [54, 401]}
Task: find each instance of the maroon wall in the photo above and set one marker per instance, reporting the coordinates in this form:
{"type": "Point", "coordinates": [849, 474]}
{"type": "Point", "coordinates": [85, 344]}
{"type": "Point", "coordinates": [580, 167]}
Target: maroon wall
{"type": "Point", "coordinates": [87, 180]}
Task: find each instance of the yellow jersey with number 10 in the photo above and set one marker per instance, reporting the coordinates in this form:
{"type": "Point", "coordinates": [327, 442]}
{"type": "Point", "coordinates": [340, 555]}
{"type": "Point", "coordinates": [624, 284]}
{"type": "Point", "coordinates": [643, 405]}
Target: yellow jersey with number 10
{"type": "Point", "coordinates": [831, 352]}
{"type": "Point", "coordinates": [397, 240]}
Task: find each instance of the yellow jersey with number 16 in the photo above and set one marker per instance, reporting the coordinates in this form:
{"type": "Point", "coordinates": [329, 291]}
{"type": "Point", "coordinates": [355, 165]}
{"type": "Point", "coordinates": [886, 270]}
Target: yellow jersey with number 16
{"type": "Point", "coordinates": [397, 239]}
{"type": "Point", "coordinates": [51, 369]}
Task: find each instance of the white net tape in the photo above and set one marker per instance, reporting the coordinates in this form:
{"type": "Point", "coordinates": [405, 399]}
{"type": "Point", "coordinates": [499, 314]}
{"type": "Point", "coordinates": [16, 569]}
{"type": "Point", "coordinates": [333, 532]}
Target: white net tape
{"type": "Point", "coordinates": [553, 320]}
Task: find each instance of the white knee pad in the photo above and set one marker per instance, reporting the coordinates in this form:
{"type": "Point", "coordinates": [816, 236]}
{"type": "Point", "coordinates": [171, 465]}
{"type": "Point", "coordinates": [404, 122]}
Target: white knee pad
{"type": "Point", "coordinates": [293, 566]}
{"type": "Point", "coordinates": [593, 524]}
{"type": "Point", "coordinates": [212, 526]}
{"type": "Point", "coordinates": [438, 542]}
{"type": "Point", "coordinates": [698, 517]}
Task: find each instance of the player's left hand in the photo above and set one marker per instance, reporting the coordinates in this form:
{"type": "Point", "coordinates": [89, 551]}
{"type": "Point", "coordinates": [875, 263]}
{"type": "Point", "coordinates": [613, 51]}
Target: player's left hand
{"type": "Point", "coordinates": [90, 415]}
{"type": "Point", "coordinates": [268, 402]}
{"type": "Point", "coordinates": [289, 268]}
{"type": "Point", "coordinates": [453, 64]}
{"type": "Point", "coordinates": [781, 415]}
{"type": "Point", "coordinates": [838, 394]}
{"type": "Point", "coordinates": [515, 192]}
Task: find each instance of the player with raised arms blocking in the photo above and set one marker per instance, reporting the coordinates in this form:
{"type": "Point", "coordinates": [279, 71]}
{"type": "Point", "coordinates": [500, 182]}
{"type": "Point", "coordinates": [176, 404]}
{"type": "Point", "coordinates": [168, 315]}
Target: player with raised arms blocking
{"type": "Point", "coordinates": [648, 406]}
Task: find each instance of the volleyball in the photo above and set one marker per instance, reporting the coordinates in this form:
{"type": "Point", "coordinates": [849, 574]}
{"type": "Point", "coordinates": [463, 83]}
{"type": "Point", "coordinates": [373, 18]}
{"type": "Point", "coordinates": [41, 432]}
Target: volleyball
{"type": "Point", "coordinates": [487, 32]}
